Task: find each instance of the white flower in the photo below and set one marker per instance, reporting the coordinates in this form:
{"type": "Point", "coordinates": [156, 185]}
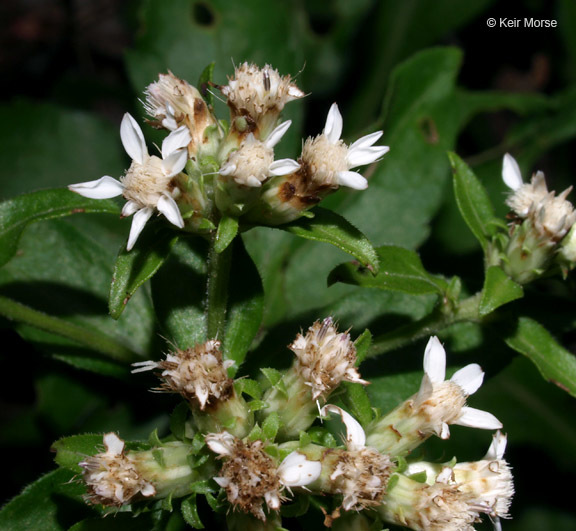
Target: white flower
{"type": "Point", "coordinates": [112, 477]}
{"type": "Point", "coordinates": [253, 163]}
{"type": "Point", "coordinates": [442, 401]}
{"type": "Point", "coordinates": [251, 477]}
{"type": "Point", "coordinates": [360, 473]}
{"type": "Point", "coordinates": [329, 160]}
{"type": "Point", "coordinates": [551, 216]}
{"type": "Point", "coordinates": [147, 185]}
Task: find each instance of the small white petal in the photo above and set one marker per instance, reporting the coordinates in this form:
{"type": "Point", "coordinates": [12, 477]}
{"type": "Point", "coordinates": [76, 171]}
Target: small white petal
{"type": "Point", "coordinates": [142, 366]}
{"type": "Point", "coordinates": [469, 378]}
{"type": "Point", "coordinates": [175, 162]}
{"type": "Point", "coordinates": [367, 155]}
{"type": "Point", "coordinates": [283, 167]}
{"type": "Point", "coordinates": [138, 222]}
{"type": "Point", "coordinates": [366, 141]}
{"type": "Point", "coordinates": [351, 179]}
{"type": "Point", "coordinates": [297, 471]}
{"type": "Point", "coordinates": [334, 123]}
{"type": "Point", "coordinates": [129, 208]}
{"type": "Point", "coordinates": [253, 181]}
{"type": "Point", "coordinates": [220, 443]}
{"type": "Point", "coordinates": [445, 476]}
{"type": "Point", "coordinates": [227, 169]}
{"type": "Point", "coordinates": [176, 140]}
{"type": "Point", "coordinates": [275, 136]}
{"type": "Point", "coordinates": [498, 446]}
{"type": "Point", "coordinates": [148, 490]}
{"type": "Point", "coordinates": [272, 500]}
{"type": "Point", "coordinates": [476, 418]}
{"type": "Point", "coordinates": [223, 482]}
{"type": "Point", "coordinates": [114, 445]}
{"type": "Point", "coordinates": [435, 360]}
{"type": "Point", "coordinates": [133, 139]}
{"type": "Point", "coordinates": [511, 172]}
{"type": "Point", "coordinates": [167, 206]}
{"type": "Point", "coordinates": [103, 188]}
{"type": "Point", "coordinates": [444, 431]}
{"type": "Point", "coordinates": [355, 436]}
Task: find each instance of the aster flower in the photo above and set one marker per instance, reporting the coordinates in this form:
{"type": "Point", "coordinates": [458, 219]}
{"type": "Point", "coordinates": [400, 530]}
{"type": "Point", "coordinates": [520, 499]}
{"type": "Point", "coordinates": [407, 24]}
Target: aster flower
{"type": "Point", "coordinates": [325, 358]}
{"type": "Point", "coordinates": [251, 478]}
{"type": "Point", "coordinates": [437, 404]}
{"type": "Point", "coordinates": [148, 183]}
{"type": "Point", "coordinates": [551, 216]}
{"type": "Point", "coordinates": [360, 474]}
{"type": "Point", "coordinates": [327, 160]}
{"type": "Point", "coordinates": [112, 477]}
{"type": "Point", "coordinates": [253, 163]}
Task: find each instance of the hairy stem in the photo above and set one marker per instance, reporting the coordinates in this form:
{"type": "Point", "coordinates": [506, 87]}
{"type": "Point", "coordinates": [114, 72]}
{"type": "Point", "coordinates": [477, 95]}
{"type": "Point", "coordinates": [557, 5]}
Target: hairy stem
{"type": "Point", "coordinates": [440, 318]}
{"type": "Point", "coordinates": [217, 289]}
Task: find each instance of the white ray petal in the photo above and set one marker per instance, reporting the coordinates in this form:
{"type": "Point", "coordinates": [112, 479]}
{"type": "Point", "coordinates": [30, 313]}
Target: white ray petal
{"type": "Point", "coordinates": [148, 490]}
{"type": "Point", "coordinates": [366, 141]}
{"type": "Point", "coordinates": [297, 471]}
{"type": "Point", "coordinates": [276, 135]}
{"type": "Point", "coordinates": [511, 172]}
{"type": "Point", "coordinates": [498, 446]}
{"type": "Point", "coordinates": [469, 378]}
{"type": "Point", "coordinates": [227, 169]}
{"type": "Point", "coordinates": [365, 155]}
{"type": "Point", "coordinates": [272, 500]}
{"type": "Point", "coordinates": [223, 482]}
{"type": "Point", "coordinates": [283, 167]}
{"type": "Point", "coordinates": [167, 206]}
{"type": "Point", "coordinates": [129, 208]}
{"type": "Point", "coordinates": [175, 162]}
{"type": "Point", "coordinates": [435, 360]}
{"type": "Point", "coordinates": [133, 139]}
{"type": "Point", "coordinates": [177, 139]}
{"type": "Point", "coordinates": [138, 222]}
{"type": "Point", "coordinates": [103, 188]}
{"type": "Point", "coordinates": [351, 179]}
{"type": "Point", "coordinates": [220, 443]}
{"type": "Point", "coordinates": [476, 418]}
{"type": "Point", "coordinates": [334, 123]}
{"type": "Point", "coordinates": [355, 436]}
{"type": "Point", "coordinates": [114, 445]}
{"type": "Point", "coordinates": [142, 366]}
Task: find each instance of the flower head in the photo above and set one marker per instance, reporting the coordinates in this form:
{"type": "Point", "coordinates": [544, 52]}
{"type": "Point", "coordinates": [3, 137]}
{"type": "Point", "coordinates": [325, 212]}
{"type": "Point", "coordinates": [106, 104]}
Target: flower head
{"type": "Point", "coordinates": [325, 358]}
{"type": "Point", "coordinates": [360, 474]}
{"type": "Point", "coordinates": [552, 216]}
{"type": "Point", "coordinates": [149, 182]}
{"type": "Point", "coordinates": [197, 373]}
{"type": "Point", "coordinates": [251, 477]}
{"type": "Point", "coordinates": [112, 476]}
{"type": "Point", "coordinates": [253, 163]}
{"type": "Point", "coordinates": [259, 95]}
{"type": "Point", "coordinates": [327, 160]}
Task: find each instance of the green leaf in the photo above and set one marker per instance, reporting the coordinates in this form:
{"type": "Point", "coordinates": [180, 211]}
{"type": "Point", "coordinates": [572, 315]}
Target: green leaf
{"type": "Point", "coordinates": [473, 201]}
{"type": "Point", "coordinates": [178, 290]}
{"type": "Point", "coordinates": [189, 510]}
{"type": "Point", "coordinates": [204, 81]}
{"type": "Point", "coordinates": [227, 230]}
{"type": "Point", "coordinates": [357, 402]}
{"type": "Point", "coordinates": [245, 306]}
{"type": "Point", "coordinates": [17, 213]}
{"type": "Point", "coordinates": [250, 387]}
{"type": "Point", "coordinates": [51, 503]}
{"type": "Point", "coordinates": [328, 227]}
{"type": "Point", "coordinates": [554, 362]}
{"type": "Point", "coordinates": [400, 270]}
{"type": "Point", "coordinates": [135, 267]}
{"type": "Point", "coordinates": [271, 425]}
{"type": "Point", "coordinates": [499, 289]}
{"type": "Point", "coordinates": [362, 344]}
{"type": "Point", "coordinates": [71, 450]}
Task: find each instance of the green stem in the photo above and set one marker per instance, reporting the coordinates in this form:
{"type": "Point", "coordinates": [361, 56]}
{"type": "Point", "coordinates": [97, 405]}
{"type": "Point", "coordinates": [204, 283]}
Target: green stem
{"type": "Point", "coordinates": [19, 312]}
{"type": "Point", "coordinates": [442, 317]}
{"type": "Point", "coordinates": [217, 289]}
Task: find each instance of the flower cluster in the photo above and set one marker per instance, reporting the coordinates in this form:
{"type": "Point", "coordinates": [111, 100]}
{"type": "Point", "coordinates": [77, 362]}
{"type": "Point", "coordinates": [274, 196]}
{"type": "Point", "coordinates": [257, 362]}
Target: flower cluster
{"type": "Point", "coordinates": [208, 170]}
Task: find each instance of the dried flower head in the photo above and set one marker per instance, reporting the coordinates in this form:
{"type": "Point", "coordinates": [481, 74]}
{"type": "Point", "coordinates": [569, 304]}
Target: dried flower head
{"type": "Point", "coordinates": [259, 95]}
{"type": "Point", "coordinates": [251, 478]}
{"type": "Point", "coordinates": [112, 476]}
{"type": "Point", "coordinates": [149, 182]}
{"type": "Point", "coordinates": [197, 373]}
{"type": "Point", "coordinates": [552, 216]}
{"type": "Point", "coordinates": [325, 358]}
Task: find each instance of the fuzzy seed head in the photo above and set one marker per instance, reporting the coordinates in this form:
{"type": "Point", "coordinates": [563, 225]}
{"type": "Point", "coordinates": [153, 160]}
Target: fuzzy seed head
{"type": "Point", "coordinates": [323, 159]}
{"type": "Point", "coordinates": [325, 358]}
{"type": "Point", "coordinates": [361, 477]}
{"type": "Point", "coordinates": [144, 184]}
{"type": "Point", "coordinates": [112, 476]}
{"type": "Point", "coordinates": [256, 92]}
{"type": "Point", "coordinates": [438, 404]}
{"type": "Point", "coordinates": [250, 164]}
